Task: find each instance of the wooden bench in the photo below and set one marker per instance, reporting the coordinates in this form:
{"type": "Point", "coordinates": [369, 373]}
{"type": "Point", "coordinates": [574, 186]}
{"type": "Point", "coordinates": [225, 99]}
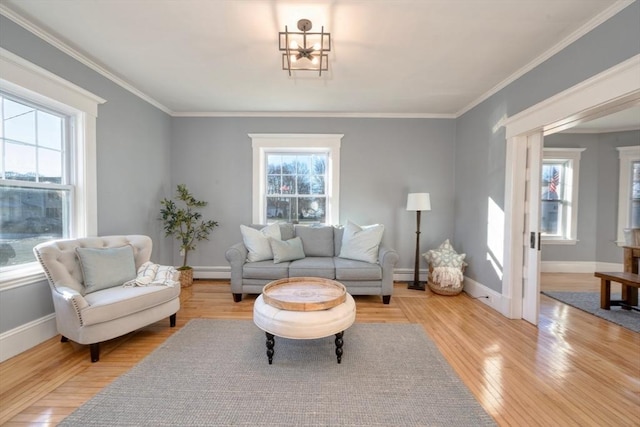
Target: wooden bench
{"type": "Point", "coordinates": [630, 283]}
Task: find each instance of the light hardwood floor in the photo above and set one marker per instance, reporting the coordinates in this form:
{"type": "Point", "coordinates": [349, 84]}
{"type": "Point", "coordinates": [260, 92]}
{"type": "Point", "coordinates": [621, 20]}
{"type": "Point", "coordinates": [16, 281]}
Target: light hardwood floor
{"type": "Point", "coordinates": [572, 370]}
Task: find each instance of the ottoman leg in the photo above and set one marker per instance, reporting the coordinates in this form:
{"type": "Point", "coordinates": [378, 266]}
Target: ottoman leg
{"type": "Point", "coordinates": [270, 344]}
{"type": "Point", "coordinates": [339, 344]}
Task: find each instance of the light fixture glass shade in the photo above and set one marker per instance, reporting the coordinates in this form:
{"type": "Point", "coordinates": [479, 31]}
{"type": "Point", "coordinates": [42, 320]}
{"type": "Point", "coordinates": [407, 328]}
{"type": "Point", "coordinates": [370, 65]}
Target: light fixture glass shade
{"type": "Point", "coordinates": [418, 202]}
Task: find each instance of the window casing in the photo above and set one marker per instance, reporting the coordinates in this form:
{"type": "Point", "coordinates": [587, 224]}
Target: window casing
{"type": "Point", "coordinates": [296, 178]}
{"type": "Point", "coordinates": [628, 190]}
{"type": "Point", "coordinates": [559, 195]}
{"type": "Point", "coordinates": [55, 181]}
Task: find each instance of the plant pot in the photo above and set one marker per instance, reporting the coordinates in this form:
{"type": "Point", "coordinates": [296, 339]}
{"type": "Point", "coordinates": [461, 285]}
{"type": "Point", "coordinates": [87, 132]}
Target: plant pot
{"type": "Point", "coordinates": [186, 277]}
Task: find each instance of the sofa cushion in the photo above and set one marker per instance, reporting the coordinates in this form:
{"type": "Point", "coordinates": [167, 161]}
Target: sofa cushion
{"type": "Point", "coordinates": [257, 241]}
{"type": "Point", "coordinates": [112, 303]}
{"type": "Point", "coordinates": [313, 267]}
{"type": "Point", "coordinates": [361, 243]}
{"type": "Point", "coordinates": [104, 268]}
{"type": "Point", "coordinates": [317, 241]}
{"type": "Point", "coordinates": [286, 250]}
{"type": "Point", "coordinates": [338, 232]}
{"type": "Point", "coordinates": [265, 270]}
{"type": "Point", "coordinates": [348, 269]}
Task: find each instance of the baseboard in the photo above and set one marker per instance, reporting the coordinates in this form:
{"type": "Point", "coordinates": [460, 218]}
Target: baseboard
{"type": "Point", "coordinates": [485, 295]}
{"type": "Point", "coordinates": [578, 266]}
{"type": "Point", "coordinates": [211, 272]}
{"type": "Point", "coordinates": [406, 275]}
{"type": "Point", "coordinates": [26, 336]}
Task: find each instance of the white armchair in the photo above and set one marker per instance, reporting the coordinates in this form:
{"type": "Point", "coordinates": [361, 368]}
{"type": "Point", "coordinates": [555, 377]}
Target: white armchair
{"type": "Point", "coordinates": [90, 316]}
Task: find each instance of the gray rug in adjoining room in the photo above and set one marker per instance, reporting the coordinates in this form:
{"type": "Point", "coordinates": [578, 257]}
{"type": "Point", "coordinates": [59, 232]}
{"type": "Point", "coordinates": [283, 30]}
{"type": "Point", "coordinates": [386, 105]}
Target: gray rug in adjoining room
{"type": "Point", "coordinates": [590, 302]}
{"type": "Point", "coordinates": [215, 373]}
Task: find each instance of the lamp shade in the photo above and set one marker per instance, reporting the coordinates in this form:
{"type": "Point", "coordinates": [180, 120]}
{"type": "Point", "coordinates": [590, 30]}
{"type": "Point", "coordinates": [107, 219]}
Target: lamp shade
{"type": "Point", "coordinates": [418, 202]}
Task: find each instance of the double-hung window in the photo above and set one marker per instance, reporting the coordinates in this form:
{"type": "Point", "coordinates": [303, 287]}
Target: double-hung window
{"type": "Point", "coordinates": [559, 195]}
{"type": "Point", "coordinates": [48, 164]}
{"type": "Point", "coordinates": [35, 194]}
{"type": "Point", "coordinates": [628, 190]}
{"type": "Point", "coordinates": [296, 178]}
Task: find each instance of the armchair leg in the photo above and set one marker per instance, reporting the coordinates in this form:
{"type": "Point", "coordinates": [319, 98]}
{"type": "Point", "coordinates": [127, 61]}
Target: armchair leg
{"type": "Point", "coordinates": [63, 338]}
{"type": "Point", "coordinates": [95, 352]}
{"type": "Point", "coordinates": [386, 299]}
{"type": "Point", "coordinates": [172, 320]}
{"type": "Point", "coordinates": [237, 297]}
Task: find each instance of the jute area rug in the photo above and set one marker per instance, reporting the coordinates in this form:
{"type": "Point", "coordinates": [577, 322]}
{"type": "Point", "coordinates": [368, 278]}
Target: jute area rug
{"type": "Point", "coordinates": [215, 373]}
{"type": "Point", "coordinates": [590, 302]}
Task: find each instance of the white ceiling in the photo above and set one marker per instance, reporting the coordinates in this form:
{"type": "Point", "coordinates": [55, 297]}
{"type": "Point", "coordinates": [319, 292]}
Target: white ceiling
{"type": "Point", "coordinates": [410, 58]}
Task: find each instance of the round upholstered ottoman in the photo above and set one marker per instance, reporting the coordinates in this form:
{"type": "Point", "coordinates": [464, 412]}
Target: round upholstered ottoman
{"type": "Point", "coordinates": [304, 324]}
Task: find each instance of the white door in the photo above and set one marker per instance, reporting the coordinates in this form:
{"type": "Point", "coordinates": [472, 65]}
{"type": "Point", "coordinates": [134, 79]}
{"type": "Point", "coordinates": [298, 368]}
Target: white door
{"type": "Point", "coordinates": [531, 271]}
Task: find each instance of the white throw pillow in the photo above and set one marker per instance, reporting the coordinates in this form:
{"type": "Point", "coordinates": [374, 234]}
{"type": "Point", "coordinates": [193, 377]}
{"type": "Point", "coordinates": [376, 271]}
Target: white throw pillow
{"type": "Point", "coordinates": [361, 243]}
{"type": "Point", "coordinates": [286, 250]}
{"type": "Point", "coordinates": [257, 241]}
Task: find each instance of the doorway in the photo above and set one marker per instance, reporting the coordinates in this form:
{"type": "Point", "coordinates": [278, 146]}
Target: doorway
{"type": "Point", "coordinates": [613, 90]}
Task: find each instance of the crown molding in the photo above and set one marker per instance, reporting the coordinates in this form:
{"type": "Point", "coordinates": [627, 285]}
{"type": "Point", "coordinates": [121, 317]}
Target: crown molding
{"type": "Point", "coordinates": [590, 25]}
{"type": "Point", "coordinates": [58, 44]}
{"type": "Point", "coordinates": [317, 114]}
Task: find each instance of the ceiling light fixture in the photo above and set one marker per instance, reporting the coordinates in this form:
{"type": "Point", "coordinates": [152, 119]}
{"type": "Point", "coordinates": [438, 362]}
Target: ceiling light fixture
{"type": "Point", "coordinates": [305, 51]}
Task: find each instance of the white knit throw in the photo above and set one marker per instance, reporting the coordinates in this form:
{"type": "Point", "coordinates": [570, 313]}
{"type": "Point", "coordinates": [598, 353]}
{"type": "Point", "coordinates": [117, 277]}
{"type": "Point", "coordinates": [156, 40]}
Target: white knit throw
{"type": "Point", "coordinates": [150, 274]}
{"type": "Point", "coordinates": [447, 277]}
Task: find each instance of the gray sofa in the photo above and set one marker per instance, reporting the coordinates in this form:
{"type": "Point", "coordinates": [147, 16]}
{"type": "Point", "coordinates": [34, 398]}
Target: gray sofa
{"type": "Point", "coordinates": [321, 246]}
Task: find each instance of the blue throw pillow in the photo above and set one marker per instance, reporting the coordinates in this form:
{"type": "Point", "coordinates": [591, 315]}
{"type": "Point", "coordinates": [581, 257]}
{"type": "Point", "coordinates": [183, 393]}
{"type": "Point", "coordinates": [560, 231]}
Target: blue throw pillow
{"type": "Point", "coordinates": [104, 268]}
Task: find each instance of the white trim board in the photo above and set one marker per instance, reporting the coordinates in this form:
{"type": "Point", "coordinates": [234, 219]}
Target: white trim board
{"type": "Point", "coordinates": [579, 266]}
{"type": "Point", "coordinates": [26, 336]}
{"type": "Point", "coordinates": [486, 295]}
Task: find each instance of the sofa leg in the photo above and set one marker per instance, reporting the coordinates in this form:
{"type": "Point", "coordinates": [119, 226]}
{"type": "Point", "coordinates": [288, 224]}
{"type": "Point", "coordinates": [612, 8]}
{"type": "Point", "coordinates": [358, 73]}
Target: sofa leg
{"type": "Point", "coordinates": [172, 320]}
{"type": "Point", "coordinates": [237, 297]}
{"type": "Point", "coordinates": [386, 299]}
{"type": "Point", "coordinates": [63, 338]}
{"type": "Point", "coordinates": [95, 352]}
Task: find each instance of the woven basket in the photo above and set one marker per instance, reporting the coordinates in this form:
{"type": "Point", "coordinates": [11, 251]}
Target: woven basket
{"type": "Point", "coordinates": [443, 290]}
{"type": "Point", "coordinates": [186, 277]}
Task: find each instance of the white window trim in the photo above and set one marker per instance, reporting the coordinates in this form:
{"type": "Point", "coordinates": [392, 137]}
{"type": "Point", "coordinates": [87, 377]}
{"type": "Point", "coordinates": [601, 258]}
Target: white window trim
{"type": "Point", "coordinates": [26, 80]}
{"type": "Point", "coordinates": [627, 156]}
{"type": "Point", "coordinates": [572, 180]}
{"type": "Point", "coordinates": [262, 143]}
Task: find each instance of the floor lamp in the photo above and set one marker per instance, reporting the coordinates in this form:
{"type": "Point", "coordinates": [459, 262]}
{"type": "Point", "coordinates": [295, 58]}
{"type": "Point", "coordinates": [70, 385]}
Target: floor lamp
{"type": "Point", "coordinates": [418, 202]}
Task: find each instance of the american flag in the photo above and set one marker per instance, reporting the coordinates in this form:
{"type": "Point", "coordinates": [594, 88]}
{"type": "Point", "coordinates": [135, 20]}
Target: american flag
{"type": "Point", "coordinates": [555, 180]}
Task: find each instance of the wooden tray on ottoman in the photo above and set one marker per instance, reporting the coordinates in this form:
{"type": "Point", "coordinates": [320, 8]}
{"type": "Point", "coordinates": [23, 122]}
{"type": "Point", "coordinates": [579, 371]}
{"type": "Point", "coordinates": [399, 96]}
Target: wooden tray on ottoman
{"type": "Point", "coordinates": [304, 294]}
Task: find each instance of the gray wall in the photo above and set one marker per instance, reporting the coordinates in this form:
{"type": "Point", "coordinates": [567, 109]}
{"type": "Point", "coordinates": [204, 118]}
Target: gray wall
{"type": "Point", "coordinates": [480, 150]}
{"type": "Point", "coordinates": [143, 154]}
{"type": "Point", "coordinates": [598, 196]}
{"type": "Point", "coordinates": [381, 161]}
{"type": "Point", "coordinates": [133, 151]}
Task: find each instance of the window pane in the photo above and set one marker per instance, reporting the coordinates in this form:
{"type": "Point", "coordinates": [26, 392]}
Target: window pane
{"type": "Point", "coordinates": [19, 122]}
{"type": "Point", "coordinates": [49, 166]}
{"type": "Point", "coordinates": [20, 162]}
{"type": "Point", "coordinates": [317, 185]}
{"type": "Point", "coordinates": [320, 164]}
{"type": "Point", "coordinates": [289, 164]}
{"type": "Point", "coordinates": [549, 223]}
{"type": "Point", "coordinates": [29, 216]}
{"type": "Point", "coordinates": [635, 196]}
{"type": "Point", "coordinates": [304, 165]}
{"type": "Point", "coordinates": [551, 181]}
{"type": "Point", "coordinates": [303, 184]}
{"type": "Point", "coordinates": [281, 209]}
{"type": "Point", "coordinates": [274, 182]}
{"type": "Point", "coordinates": [288, 185]}
{"type": "Point", "coordinates": [274, 164]}
{"type": "Point", "coordinates": [49, 130]}
{"type": "Point", "coordinates": [312, 209]}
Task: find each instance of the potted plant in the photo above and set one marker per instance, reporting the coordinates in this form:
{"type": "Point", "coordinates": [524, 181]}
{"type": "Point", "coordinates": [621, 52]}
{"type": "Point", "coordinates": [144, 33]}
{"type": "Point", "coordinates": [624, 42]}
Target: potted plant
{"type": "Point", "coordinates": [185, 223]}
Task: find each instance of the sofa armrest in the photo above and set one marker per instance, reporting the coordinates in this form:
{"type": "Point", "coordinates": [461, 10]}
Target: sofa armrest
{"type": "Point", "coordinates": [68, 304]}
{"type": "Point", "coordinates": [237, 256]}
{"type": "Point", "coordinates": [387, 258]}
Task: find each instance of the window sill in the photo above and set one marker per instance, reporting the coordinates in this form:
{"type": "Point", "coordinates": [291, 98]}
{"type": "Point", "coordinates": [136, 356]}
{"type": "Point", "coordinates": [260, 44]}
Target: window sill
{"type": "Point", "coordinates": [559, 241]}
{"type": "Point", "coordinates": [21, 277]}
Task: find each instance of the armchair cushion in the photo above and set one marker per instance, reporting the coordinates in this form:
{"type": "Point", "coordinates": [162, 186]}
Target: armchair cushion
{"type": "Point", "coordinates": [104, 268]}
